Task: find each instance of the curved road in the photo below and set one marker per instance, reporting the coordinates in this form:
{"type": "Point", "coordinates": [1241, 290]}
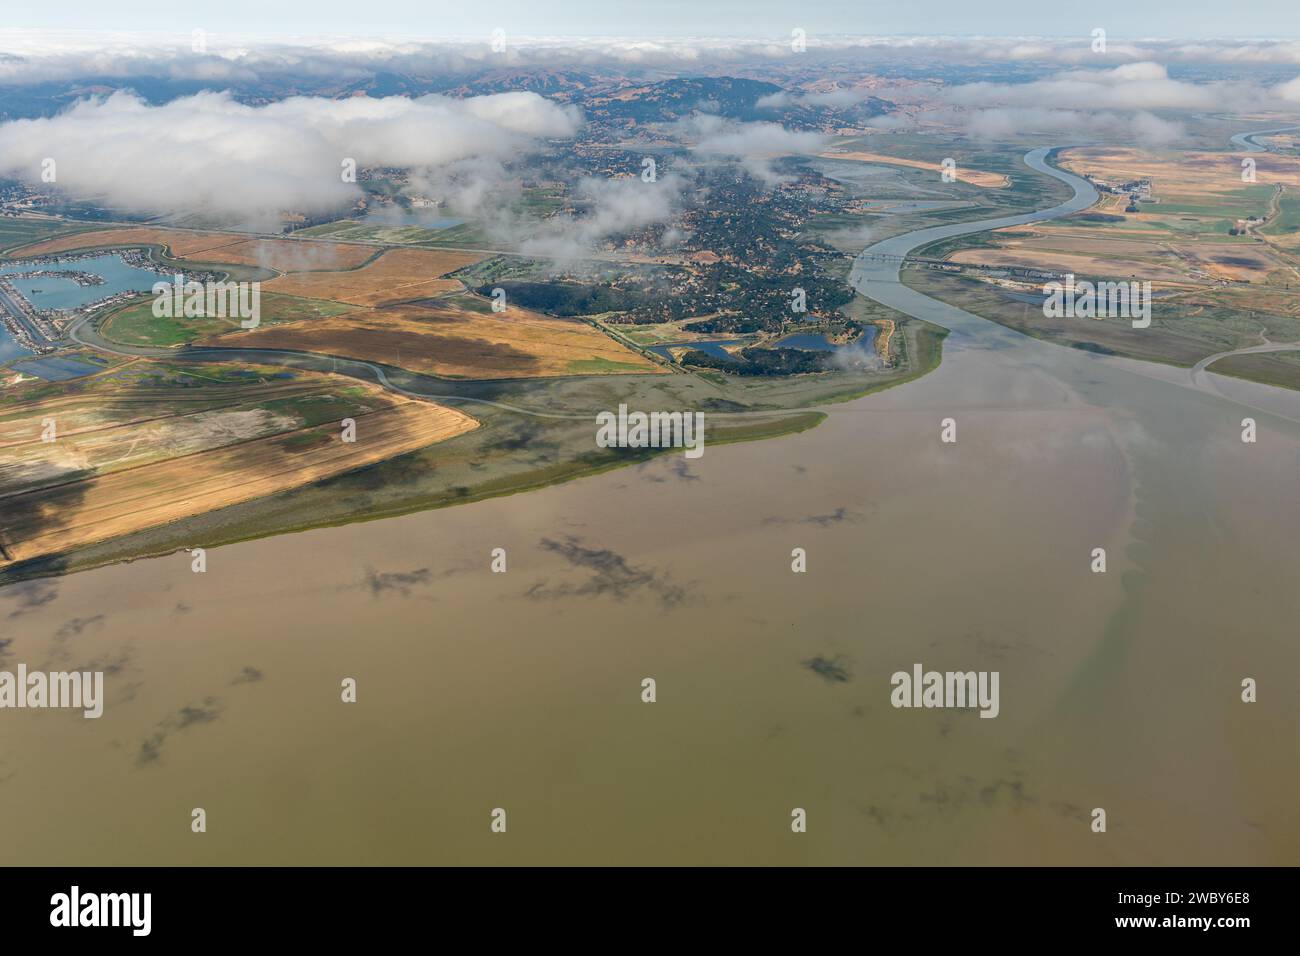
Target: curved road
{"type": "Point", "coordinates": [1209, 360]}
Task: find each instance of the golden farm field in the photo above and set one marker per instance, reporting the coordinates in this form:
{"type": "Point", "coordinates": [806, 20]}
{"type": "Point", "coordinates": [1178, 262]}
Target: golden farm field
{"type": "Point", "coordinates": [1088, 253]}
{"type": "Point", "coordinates": [293, 255]}
{"type": "Point", "coordinates": [1204, 227]}
{"type": "Point", "coordinates": [1198, 196]}
{"type": "Point", "coordinates": [975, 177]}
{"type": "Point", "coordinates": [279, 255]}
{"type": "Point", "coordinates": [1185, 174]}
{"type": "Point", "coordinates": [180, 242]}
{"type": "Point", "coordinates": [112, 426]}
{"type": "Point", "coordinates": [398, 275]}
{"type": "Point", "coordinates": [124, 462]}
{"type": "Point", "coordinates": [1040, 253]}
{"type": "Point", "coordinates": [445, 340]}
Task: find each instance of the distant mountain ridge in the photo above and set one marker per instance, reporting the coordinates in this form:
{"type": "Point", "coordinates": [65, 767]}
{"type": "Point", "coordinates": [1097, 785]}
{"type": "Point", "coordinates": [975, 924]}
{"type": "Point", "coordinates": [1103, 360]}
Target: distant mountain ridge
{"type": "Point", "coordinates": [605, 97]}
{"type": "Point", "coordinates": [726, 96]}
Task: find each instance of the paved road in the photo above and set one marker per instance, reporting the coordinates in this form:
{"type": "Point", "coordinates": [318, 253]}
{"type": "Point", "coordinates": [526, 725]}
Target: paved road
{"type": "Point", "coordinates": [1209, 360]}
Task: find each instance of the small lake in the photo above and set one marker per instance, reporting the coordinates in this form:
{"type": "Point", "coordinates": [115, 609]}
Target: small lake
{"type": "Point", "coordinates": [10, 349]}
{"type": "Point", "coordinates": [54, 369]}
{"type": "Point", "coordinates": [714, 348]}
{"type": "Point", "coordinates": [423, 218]}
{"type": "Point", "coordinates": [814, 342]}
{"type": "Point", "coordinates": [53, 293]}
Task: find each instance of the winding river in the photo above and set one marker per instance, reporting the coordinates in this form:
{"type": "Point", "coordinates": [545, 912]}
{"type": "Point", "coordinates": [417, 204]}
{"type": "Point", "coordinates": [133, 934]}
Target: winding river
{"type": "Point", "coordinates": [1119, 690]}
{"type": "Point", "coordinates": [1248, 142]}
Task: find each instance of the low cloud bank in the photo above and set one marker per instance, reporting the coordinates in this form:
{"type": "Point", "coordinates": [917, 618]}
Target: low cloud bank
{"type": "Point", "coordinates": [753, 145]}
{"type": "Point", "coordinates": [30, 56]}
{"type": "Point", "coordinates": [1119, 102]}
{"type": "Point", "coordinates": [611, 207]}
{"type": "Point", "coordinates": [210, 154]}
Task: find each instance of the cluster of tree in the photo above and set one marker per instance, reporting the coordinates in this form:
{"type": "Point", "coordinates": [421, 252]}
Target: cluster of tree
{"type": "Point", "coordinates": [566, 298]}
{"type": "Point", "coordinates": [753, 229]}
{"type": "Point", "coordinates": [727, 96]}
{"type": "Point", "coordinates": [761, 361]}
{"type": "Point", "coordinates": [748, 301]}
{"type": "Point", "coordinates": [730, 324]}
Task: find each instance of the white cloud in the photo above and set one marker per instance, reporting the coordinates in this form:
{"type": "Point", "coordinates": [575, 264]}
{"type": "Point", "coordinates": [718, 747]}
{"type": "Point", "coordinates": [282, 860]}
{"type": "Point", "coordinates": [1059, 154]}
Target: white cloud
{"type": "Point", "coordinates": [753, 145]}
{"type": "Point", "coordinates": [1142, 85]}
{"type": "Point", "coordinates": [1116, 102]}
{"type": "Point", "coordinates": [28, 56]}
{"type": "Point", "coordinates": [840, 98]}
{"type": "Point", "coordinates": [612, 207]}
{"type": "Point", "coordinates": [1139, 127]}
{"type": "Point", "coordinates": [1289, 91]}
{"type": "Point", "coordinates": [208, 153]}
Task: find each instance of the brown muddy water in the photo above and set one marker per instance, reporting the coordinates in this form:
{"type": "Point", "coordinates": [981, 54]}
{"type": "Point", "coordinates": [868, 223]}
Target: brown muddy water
{"type": "Point", "coordinates": [522, 690]}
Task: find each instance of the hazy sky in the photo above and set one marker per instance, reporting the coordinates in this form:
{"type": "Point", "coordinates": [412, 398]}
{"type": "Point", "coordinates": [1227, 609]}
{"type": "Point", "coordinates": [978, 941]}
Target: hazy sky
{"type": "Point", "coordinates": [1123, 19]}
